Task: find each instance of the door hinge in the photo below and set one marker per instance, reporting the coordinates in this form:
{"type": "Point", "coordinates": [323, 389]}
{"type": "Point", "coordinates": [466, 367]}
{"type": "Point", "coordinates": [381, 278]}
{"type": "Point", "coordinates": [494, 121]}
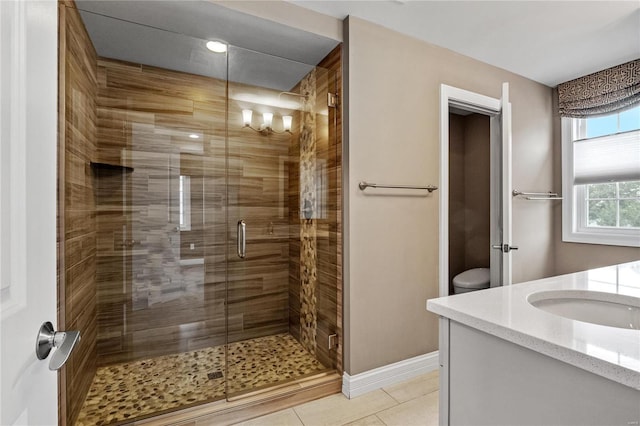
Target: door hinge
{"type": "Point", "coordinates": [332, 100]}
{"type": "Point", "coordinates": [333, 341]}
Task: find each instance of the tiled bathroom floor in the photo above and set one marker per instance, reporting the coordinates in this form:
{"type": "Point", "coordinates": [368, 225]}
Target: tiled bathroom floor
{"type": "Point", "coordinates": [122, 392]}
{"type": "Point", "coordinates": [413, 402]}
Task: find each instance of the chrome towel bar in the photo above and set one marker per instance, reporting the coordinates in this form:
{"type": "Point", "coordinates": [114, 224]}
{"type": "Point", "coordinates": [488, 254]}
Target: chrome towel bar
{"type": "Point", "coordinates": [365, 185]}
{"type": "Point", "coordinates": [537, 195]}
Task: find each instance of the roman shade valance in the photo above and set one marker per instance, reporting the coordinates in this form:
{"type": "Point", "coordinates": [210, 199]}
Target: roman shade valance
{"type": "Point", "coordinates": [603, 92]}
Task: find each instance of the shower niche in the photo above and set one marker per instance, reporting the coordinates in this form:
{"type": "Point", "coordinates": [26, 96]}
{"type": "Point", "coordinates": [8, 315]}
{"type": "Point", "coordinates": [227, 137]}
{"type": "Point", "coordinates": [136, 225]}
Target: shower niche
{"type": "Point", "coordinates": [160, 166]}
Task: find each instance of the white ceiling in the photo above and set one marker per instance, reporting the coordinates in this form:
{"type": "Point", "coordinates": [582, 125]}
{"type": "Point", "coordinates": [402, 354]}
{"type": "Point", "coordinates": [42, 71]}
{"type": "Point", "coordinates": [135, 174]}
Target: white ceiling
{"type": "Point", "coordinates": [172, 35]}
{"type": "Point", "coordinates": [546, 41]}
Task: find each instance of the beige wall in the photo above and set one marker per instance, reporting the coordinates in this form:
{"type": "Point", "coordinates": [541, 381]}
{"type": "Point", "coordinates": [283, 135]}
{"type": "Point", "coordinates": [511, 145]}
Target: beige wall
{"type": "Point", "coordinates": [573, 257]}
{"type": "Point", "coordinates": [392, 241]}
{"type": "Point", "coordinates": [391, 244]}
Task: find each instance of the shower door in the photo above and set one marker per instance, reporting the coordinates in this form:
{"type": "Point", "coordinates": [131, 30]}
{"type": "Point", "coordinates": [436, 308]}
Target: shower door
{"type": "Point", "coordinates": [159, 174]}
{"type": "Point", "coordinates": [282, 222]}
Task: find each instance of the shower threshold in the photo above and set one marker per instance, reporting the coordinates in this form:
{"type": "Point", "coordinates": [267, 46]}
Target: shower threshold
{"type": "Point", "coordinates": [132, 391]}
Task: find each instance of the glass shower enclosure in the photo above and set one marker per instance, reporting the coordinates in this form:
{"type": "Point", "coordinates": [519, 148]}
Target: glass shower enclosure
{"type": "Point", "coordinates": [216, 219]}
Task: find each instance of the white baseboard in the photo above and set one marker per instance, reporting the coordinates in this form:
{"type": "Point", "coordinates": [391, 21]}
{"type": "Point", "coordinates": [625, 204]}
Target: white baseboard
{"type": "Point", "coordinates": [377, 378]}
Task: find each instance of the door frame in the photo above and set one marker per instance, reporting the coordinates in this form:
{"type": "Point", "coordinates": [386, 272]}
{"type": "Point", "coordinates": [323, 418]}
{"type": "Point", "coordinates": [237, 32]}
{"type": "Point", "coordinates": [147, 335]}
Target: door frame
{"type": "Point", "coordinates": [468, 101]}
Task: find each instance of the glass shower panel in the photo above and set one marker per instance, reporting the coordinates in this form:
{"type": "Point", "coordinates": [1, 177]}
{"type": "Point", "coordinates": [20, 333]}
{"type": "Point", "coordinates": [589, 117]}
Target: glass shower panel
{"type": "Point", "coordinates": [180, 317]}
{"type": "Point", "coordinates": [282, 221]}
{"type": "Point", "coordinates": [159, 173]}
{"type": "Point", "coordinates": [167, 255]}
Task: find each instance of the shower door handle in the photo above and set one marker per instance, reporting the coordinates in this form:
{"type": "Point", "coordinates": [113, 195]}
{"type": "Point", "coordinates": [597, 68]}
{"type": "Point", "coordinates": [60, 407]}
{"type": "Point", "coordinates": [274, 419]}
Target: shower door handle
{"type": "Point", "coordinates": [242, 239]}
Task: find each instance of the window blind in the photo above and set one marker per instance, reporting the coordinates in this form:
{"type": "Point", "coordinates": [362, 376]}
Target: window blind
{"type": "Point", "coordinates": [606, 91]}
{"type": "Point", "coordinates": [612, 158]}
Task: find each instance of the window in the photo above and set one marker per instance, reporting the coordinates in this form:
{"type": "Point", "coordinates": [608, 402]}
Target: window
{"type": "Point", "coordinates": [601, 179]}
{"type": "Point", "coordinates": [184, 193]}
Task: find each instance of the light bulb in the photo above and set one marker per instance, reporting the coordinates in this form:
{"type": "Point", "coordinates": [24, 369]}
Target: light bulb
{"type": "Point", "coordinates": [286, 122]}
{"type": "Point", "coordinates": [246, 117]}
{"type": "Point", "coordinates": [216, 46]}
{"type": "Point", "coordinates": [268, 119]}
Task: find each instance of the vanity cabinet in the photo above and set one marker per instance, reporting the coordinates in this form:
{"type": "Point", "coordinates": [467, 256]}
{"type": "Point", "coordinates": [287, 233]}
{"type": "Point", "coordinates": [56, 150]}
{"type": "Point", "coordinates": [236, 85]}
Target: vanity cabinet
{"type": "Point", "coordinates": [491, 381]}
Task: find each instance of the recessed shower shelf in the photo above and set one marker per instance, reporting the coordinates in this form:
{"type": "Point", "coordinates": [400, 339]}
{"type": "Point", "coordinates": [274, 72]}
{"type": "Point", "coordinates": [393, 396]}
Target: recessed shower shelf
{"type": "Point", "coordinates": [111, 167]}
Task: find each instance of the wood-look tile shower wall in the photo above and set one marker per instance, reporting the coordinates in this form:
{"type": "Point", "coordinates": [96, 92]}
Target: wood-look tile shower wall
{"type": "Point", "coordinates": [330, 254]}
{"type": "Point", "coordinates": [322, 260]}
{"type": "Point", "coordinates": [258, 178]}
{"type": "Point", "coordinates": [77, 225]}
{"type": "Point", "coordinates": [155, 295]}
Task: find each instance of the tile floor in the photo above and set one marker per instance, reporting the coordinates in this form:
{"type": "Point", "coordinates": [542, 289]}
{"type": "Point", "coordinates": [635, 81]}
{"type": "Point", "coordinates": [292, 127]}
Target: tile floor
{"type": "Point", "coordinates": [409, 403]}
{"type": "Point", "coordinates": [123, 392]}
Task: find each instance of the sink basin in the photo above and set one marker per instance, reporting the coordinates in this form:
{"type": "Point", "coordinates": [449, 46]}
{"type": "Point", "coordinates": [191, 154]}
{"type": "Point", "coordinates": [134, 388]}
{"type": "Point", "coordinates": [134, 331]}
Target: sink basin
{"type": "Point", "coordinates": [613, 310]}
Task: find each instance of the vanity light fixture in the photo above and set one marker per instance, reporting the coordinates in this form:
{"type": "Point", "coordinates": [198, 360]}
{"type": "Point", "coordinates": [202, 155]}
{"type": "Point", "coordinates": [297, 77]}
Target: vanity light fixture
{"type": "Point", "coordinates": [286, 122]}
{"type": "Point", "coordinates": [194, 136]}
{"type": "Point", "coordinates": [266, 128]}
{"type": "Point", "coordinates": [216, 46]}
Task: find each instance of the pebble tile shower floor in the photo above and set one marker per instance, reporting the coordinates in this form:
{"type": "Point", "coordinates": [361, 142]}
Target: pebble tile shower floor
{"type": "Point", "coordinates": [121, 393]}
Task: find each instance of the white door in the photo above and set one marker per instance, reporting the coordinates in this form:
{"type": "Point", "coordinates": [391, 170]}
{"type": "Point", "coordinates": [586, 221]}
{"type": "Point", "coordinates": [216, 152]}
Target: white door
{"type": "Point", "coordinates": [28, 123]}
{"type": "Point", "coordinates": [506, 199]}
{"type": "Point", "coordinates": [501, 197]}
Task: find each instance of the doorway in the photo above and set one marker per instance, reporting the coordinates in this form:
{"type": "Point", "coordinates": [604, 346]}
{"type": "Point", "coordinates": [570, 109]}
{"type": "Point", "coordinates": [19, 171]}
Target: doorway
{"type": "Point", "coordinates": [493, 244]}
{"type": "Point", "coordinates": [469, 190]}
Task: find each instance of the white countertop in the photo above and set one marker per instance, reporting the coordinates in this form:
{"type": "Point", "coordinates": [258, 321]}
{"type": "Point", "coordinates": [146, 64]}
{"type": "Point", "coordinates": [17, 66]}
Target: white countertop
{"type": "Point", "coordinates": [504, 312]}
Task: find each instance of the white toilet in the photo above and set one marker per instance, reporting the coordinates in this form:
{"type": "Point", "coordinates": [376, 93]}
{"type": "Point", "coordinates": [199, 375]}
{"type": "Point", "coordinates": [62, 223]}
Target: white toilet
{"type": "Point", "coordinates": [471, 280]}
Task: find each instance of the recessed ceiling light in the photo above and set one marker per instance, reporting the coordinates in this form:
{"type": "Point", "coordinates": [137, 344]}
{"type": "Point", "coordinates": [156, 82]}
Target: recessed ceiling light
{"type": "Point", "coordinates": [194, 136]}
{"type": "Point", "coordinates": [217, 46]}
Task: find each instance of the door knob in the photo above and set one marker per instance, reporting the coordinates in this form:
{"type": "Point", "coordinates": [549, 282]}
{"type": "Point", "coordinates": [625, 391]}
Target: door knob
{"type": "Point", "coordinates": [505, 248]}
{"type": "Point", "coordinates": [62, 341]}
